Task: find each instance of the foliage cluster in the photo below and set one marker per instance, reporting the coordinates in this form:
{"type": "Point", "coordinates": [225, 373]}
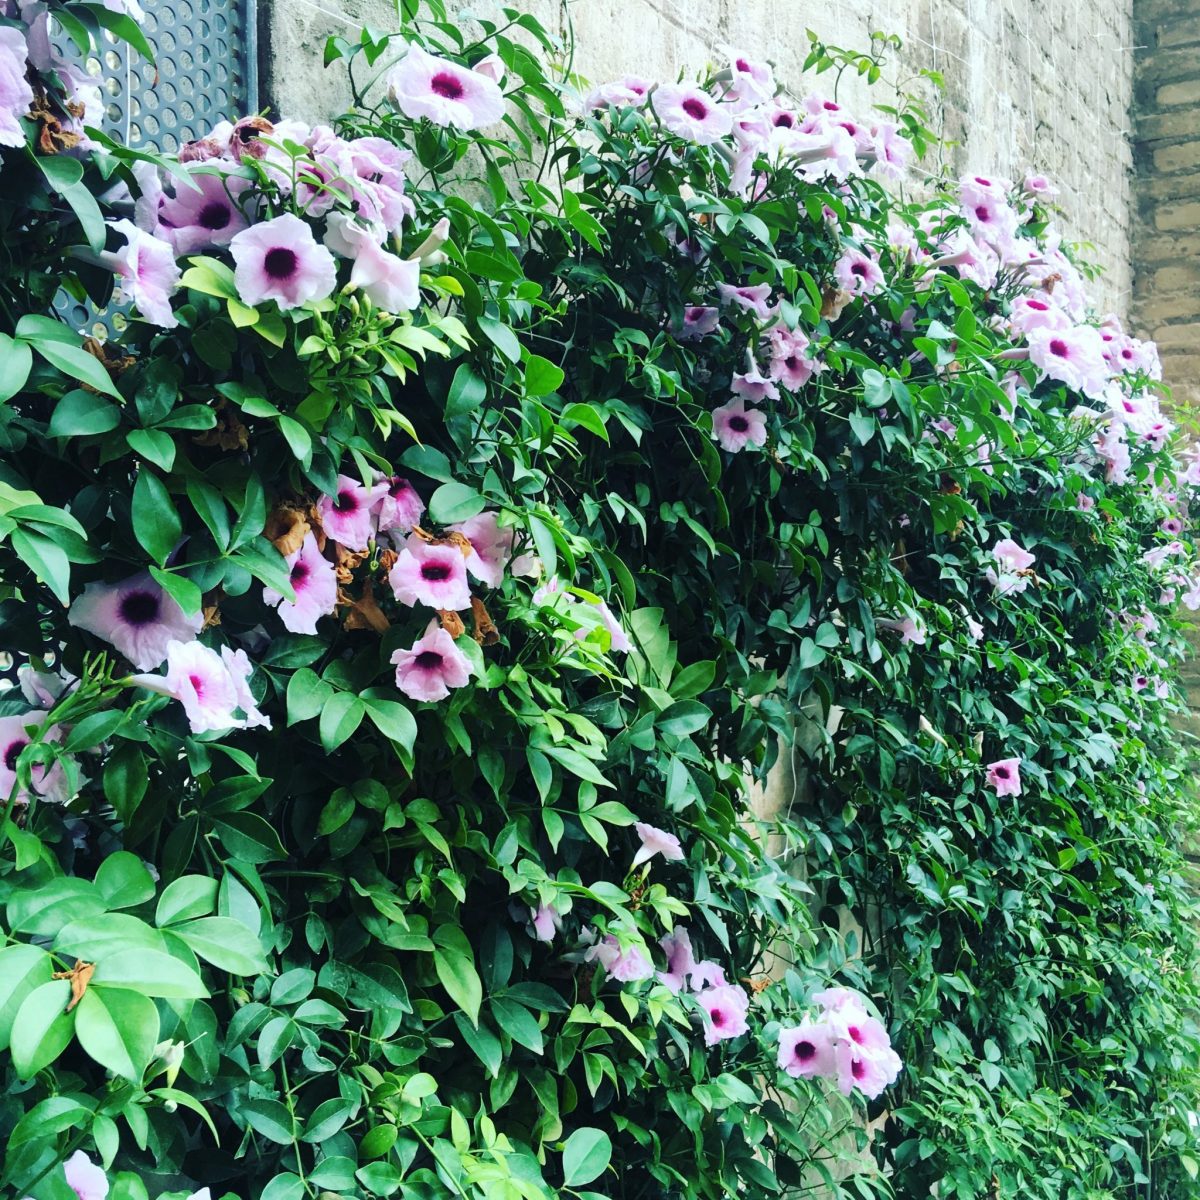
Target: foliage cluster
{"type": "Point", "coordinates": [495, 541]}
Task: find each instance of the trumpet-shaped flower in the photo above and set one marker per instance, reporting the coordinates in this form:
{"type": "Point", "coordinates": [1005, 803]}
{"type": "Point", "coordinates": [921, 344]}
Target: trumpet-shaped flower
{"type": "Point", "coordinates": [725, 1010]}
{"type": "Point", "coordinates": [390, 282]}
{"type": "Point", "coordinates": [314, 580]}
{"type": "Point", "coordinates": [16, 94]}
{"type": "Point", "coordinates": [210, 687]}
{"type": "Point", "coordinates": [655, 841]}
{"type": "Point", "coordinates": [690, 113]}
{"type": "Point", "coordinates": [735, 426]}
{"type": "Point", "coordinates": [50, 784]}
{"type": "Point", "coordinates": [205, 216]}
{"type": "Point", "coordinates": [625, 966]}
{"type": "Point", "coordinates": [1074, 356]}
{"type": "Point", "coordinates": [491, 546]}
{"type": "Point", "coordinates": [858, 273]}
{"type": "Point", "coordinates": [445, 92]}
{"type": "Point", "coordinates": [84, 1177]}
{"type": "Point", "coordinates": [280, 260]}
{"type": "Point", "coordinates": [148, 272]}
{"type": "Point", "coordinates": [806, 1051]}
{"type": "Point", "coordinates": [1004, 776]}
{"type": "Point", "coordinates": [868, 1070]}
{"type": "Point", "coordinates": [136, 616]}
{"type": "Point", "coordinates": [677, 946]}
{"type": "Point", "coordinates": [431, 666]}
{"type": "Point", "coordinates": [399, 508]}
{"type": "Point", "coordinates": [431, 573]}
{"type": "Point", "coordinates": [349, 516]}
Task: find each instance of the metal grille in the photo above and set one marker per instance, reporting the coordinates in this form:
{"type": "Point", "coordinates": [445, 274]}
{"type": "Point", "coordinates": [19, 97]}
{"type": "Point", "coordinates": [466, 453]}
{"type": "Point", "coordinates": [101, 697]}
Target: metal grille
{"type": "Point", "coordinates": [205, 70]}
{"type": "Point", "coordinates": [204, 55]}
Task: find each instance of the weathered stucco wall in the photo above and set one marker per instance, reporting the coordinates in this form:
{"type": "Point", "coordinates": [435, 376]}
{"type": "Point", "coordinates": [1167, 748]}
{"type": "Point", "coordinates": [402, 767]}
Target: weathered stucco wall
{"type": "Point", "coordinates": [1166, 243]}
{"type": "Point", "coordinates": [1029, 83]}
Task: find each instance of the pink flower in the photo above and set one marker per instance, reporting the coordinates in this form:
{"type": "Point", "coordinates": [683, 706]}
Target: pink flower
{"type": "Point", "coordinates": [625, 966]}
{"type": "Point", "coordinates": [16, 94]}
{"type": "Point", "coordinates": [753, 81]}
{"type": "Point", "coordinates": [725, 1011]}
{"type": "Point", "coordinates": [546, 922]}
{"type": "Point", "coordinates": [1004, 775]}
{"type": "Point", "coordinates": [399, 508]}
{"type": "Point", "coordinates": [390, 282]}
{"type": "Point", "coordinates": [84, 1178]}
{"type": "Point", "coordinates": [677, 946]}
{"type": "Point", "coordinates": [891, 151]}
{"type": "Point", "coordinates": [43, 688]}
{"type": "Point", "coordinates": [203, 683]}
{"type": "Point", "coordinates": [50, 784]}
{"type": "Point", "coordinates": [619, 642]}
{"type": "Point", "coordinates": [698, 321]}
{"type": "Point", "coordinates": [435, 575]}
{"type": "Point", "coordinates": [1032, 312]}
{"type": "Point", "coordinates": [629, 90]}
{"type": "Point", "coordinates": [858, 273]}
{"type": "Point", "coordinates": [280, 260]}
{"type": "Point", "coordinates": [839, 999]}
{"type": "Point", "coordinates": [911, 633]}
{"type": "Point", "coordinates": [868, 1070]}
{"type": "Point", "coordinates": [432, 666]}
{"type": "Point", "coordinates": [1072, 356]}
{"type": "Point", "coordinates": [136, 616]}
{"type": "Point", "coordinates": [148, 272]}
{"type": "Point", "coordinates": [753, 385]}
{"type": "Point", "coordinates": [806, 1051]}
{"type": "Point", "coordinates": [790, 362]}
{"type": "Point", "coordinates": [205, 216]}
{"type": "Point", "coordinates": [1009, 577]}
{"type": "Point", "coordinates": [1172, 526]}
{"type": "Point", "coordinates": [751, 299]}
{"type": "Point", "coordinates": [443, 91]}
{"type": "Point", "coordinates": [1039, 187]}
{"type": "Point", "coordinates": [348, 517]}
{"type": "Point", "coordinates": [708, 974]}
{"type": "Point", "coordinates": [735, 426]}
{"type": "Point", "coordinates": [691, 113]}
{"type": "Point", "coordinates": [491, 547]}
{"type": "Point", "coordinates": [314, 580]}
{"type": "Point", "coordinates": [656, 841]}
{"type": "Point", "coordinates": [238, 664]}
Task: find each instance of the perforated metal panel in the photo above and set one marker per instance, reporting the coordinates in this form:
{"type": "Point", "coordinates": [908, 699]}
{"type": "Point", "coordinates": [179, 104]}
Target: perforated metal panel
{"type": "Point", "coordinates": [205, 71]}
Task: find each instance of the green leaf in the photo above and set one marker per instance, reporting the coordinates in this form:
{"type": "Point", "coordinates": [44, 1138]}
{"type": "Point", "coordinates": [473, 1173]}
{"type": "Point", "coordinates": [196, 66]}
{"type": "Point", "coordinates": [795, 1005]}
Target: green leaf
{"type": "Point", "coordinates": [586, 1156]}
{"type": "Point", "coordinates": [864, 426]}
{"type": "Point", "coordinates": [270, 1118]}
{"type": "Point", "coordinates": [307, 694]}
{"type": "Point", "coordinates": [124, 27]}
{"type": "Point", "coordinates": [341, 716]}
{"type": "Point", "coordinates": [156, 524]}
{"type": "Point", "coordinates": [210, 276]}
{"type": "Point", "coordinates": [468, 393]}
{"type": "Point", "coordinates": [393, 720]}
{"type": "Point", "coordinates": [22, 968]}
{"type": "Point", "coordinates": [181, 589]}
{"type": "Point", "coordinates": [502, 337]}
{"type": "Point", "coordinates": [248, 837]}
{"type": "Point", "coordinates": [46, 560]}
{"type": "Point", "coordinates": [152, 972]}
{"type": "Point", "coordinates": [154, 446]}
{"type": "Point", "coordinates": [42, 1029]}
{"type": "Point", "coordinates": [16, 360]}
{"type": "Point", "coordinates": [454, 502]}
{"type": "Point", "coordinates": [454, 961]}
{"type": "Point", "coordinates": [542, 377]}
{"type": "Point", "coordinates": [119, 1029]}
{"type": "Point", "coordinates": [225, 943]}
{"type": "Point", "coordinates": [683, 718]}
{"type": "Point", "coordinates": [81, 413]}
{"type": "Point", "coordinates": [93, 730]}
{"type": "Point", "coordinates": [78, 363]}
{"type": "Point", "coordinates": [123, 881]}
{"type": "Point", "coordinates": [185, 898]}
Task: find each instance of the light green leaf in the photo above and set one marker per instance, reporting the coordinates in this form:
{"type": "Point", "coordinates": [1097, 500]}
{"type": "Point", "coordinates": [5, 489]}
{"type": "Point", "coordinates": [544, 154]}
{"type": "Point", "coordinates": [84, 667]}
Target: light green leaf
{"type": "Point", "coordinates": [119, 1029]}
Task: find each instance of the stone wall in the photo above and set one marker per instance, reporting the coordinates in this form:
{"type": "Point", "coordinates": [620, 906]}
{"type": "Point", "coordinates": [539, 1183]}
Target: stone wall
{"type": "Point", "coordinates": [1029, 83]}
{"type": "Point", "coordinates": [1166, 243]}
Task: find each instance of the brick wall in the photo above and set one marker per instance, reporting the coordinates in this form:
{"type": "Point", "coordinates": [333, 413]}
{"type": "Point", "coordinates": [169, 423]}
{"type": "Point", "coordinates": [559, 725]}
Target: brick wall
{"type": "Point", "coordinates": [1166, 242]}
{"type": "Point", "coordinates": [1030, 83]}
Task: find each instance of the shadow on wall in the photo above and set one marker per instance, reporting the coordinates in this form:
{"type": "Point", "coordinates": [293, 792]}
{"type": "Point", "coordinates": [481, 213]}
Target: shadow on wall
{"type": "Point", "coordinates": [1166, 243]}
{"type": "Point", "coordinates": [1030, 84]}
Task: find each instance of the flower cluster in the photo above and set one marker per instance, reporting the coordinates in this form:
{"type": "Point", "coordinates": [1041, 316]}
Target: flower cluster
{"type": "Point", "coordinates": [842, 1043]}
